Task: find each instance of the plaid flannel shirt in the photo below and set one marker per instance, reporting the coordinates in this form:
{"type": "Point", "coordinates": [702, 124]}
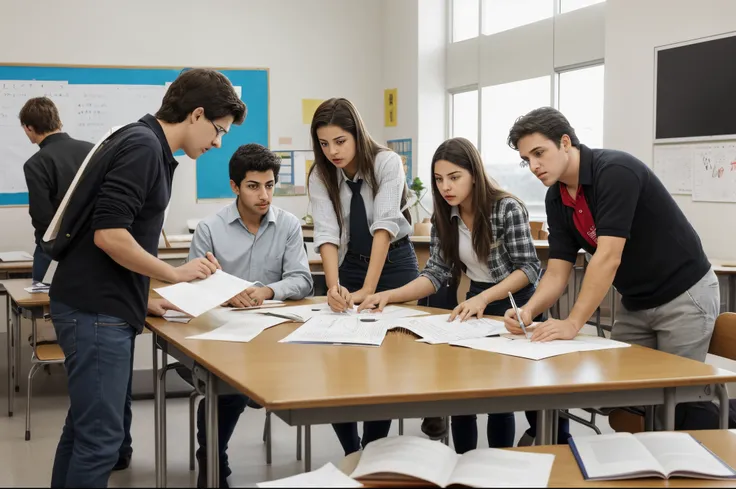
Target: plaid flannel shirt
{"type": "Point", "coordinates": [512, 246]}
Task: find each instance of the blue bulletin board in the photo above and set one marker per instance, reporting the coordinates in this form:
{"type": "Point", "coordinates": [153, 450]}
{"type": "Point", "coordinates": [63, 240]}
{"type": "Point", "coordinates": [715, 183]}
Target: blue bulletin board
{"type": "Point", "coordinates": [90, 97]}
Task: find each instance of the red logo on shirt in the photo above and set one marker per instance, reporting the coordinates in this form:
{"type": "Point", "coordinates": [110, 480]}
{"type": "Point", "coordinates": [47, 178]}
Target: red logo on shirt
{"type": "Point", "coordinates": [582, 217]}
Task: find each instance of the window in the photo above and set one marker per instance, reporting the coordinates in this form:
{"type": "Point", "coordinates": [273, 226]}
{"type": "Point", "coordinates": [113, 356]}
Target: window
{"type": "Point", "coordinates": [570, 5]}
{"type": "Point", "coordinates": [502, 15]}
{"type": "Point", "coordinates": [502, 105]}
{"type": "Point", "coordinates": [581, 100]}
{"type": "Point", "coordinates": [465, 116]}
{"type": "Point", "coordinates": [465, 14]}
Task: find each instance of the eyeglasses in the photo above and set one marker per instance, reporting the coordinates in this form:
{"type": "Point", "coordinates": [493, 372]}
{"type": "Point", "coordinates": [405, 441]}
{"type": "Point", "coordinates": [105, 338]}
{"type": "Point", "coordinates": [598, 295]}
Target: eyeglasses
{"type": "Point", "coordinates": [219, 132]}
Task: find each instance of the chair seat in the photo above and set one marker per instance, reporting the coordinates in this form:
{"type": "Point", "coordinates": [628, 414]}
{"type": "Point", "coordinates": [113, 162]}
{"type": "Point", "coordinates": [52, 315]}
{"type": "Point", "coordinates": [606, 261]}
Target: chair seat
{"type": "Point", "coordinates": [49, 353]}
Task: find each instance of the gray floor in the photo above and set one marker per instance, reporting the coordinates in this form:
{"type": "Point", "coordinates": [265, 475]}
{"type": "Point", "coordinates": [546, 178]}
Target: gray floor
{"type": "Point", "coordinates": [28, 463]}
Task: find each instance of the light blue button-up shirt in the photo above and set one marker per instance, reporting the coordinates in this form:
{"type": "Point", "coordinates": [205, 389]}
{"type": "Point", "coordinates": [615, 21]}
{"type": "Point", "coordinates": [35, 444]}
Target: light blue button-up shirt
{"type": "Point", "coordinates": [275, 256]}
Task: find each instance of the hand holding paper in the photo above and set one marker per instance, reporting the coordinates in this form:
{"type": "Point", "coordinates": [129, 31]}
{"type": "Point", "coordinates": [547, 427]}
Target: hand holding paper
{"type": "Point", "coordinates": [198, 297]}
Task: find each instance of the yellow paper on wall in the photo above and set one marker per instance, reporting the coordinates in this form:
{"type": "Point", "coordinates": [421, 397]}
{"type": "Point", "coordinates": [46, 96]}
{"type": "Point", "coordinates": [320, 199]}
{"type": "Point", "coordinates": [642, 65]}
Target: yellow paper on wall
{"type": "Point", "coordinates": [309, 106]}
{"type": "Point", "coordinates": [307, 165]}
{"type": "Point", "coordinates": [390, 103]}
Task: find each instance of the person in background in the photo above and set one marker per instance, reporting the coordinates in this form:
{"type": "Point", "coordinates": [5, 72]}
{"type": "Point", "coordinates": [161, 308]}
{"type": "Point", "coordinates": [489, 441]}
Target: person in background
{"type": "Point", "coordinates": [258, 242]}
{"type": "Point", "coordinates": [50, 171]}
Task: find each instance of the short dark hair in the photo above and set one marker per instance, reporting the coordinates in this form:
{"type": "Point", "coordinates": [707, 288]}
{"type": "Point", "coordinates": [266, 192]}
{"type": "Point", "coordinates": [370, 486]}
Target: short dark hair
{"type": "Point", "coordinates": [41, 114]}
{"type": "Point", "coordinates": [199, 87]}
{"type": "Point", "coordinates": [253, 157]}
{"type": "Point", "coordinates": [548, 122]}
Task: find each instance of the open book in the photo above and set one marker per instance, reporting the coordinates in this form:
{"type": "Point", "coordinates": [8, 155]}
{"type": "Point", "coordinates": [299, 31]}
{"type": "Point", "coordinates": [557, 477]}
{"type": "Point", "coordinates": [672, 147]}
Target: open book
{"type": "Point", "coordinates": [651, 454]}
{"type": "Point", "coordinates": [413, 458]}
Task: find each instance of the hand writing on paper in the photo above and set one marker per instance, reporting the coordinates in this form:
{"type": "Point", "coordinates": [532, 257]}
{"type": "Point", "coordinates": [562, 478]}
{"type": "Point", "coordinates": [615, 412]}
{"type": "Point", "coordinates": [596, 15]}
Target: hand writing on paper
{"type": "Point", "coordinates": [158, 307]}
{"type": "Point", "coordinates": [375, 302]}
{"type": "Point", "coordinates": [555, 329]}
{"type": "Point", "coordinates": [471, 307]}
{"type": "Point", "coordinates": [512, 323]}
{"type": "Point", "coordinates": [339, 299]}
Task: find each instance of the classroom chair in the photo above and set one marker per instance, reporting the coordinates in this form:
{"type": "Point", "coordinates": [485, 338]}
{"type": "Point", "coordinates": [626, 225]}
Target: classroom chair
{"type": "Point", "coordinates": [41, 356]}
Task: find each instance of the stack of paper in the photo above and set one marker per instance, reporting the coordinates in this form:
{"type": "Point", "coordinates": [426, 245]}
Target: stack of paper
{"type": "Point", "coordinates": [306, 312]}
{"type": "Point", "coordinates": [268, 303]}
{"type": "Point", "coordinates": [38, 288]}
{"type": "Point", "coordinates": [176, 316]}
{"type": "Point", "coordinates": [15, 256]}
{"type": "Point", "coordinates": [342, 329]}
{"type": "Point", "coordinates": [241, 330]}
{"type": "Point", "coordinates": [196, 298]}
{"type": "Point", "coordinates": [436, 329]}
{"type": "Point", "coordinates": [327, 476]}
{"type": "Point", "coordinates": [537, 350]}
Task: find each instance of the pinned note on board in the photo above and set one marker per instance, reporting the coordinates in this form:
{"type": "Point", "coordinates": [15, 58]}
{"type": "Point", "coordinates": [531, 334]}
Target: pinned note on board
{"type": "Point", "coordinates": [390, 103]}
{"type": "Point", "coordinates": [309, 107]}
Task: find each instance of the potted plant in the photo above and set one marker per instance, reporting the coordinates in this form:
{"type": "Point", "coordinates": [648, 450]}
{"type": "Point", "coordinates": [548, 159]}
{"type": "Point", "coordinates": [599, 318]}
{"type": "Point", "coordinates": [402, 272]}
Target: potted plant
{"type": "Point", "coordinates": [424, 227]}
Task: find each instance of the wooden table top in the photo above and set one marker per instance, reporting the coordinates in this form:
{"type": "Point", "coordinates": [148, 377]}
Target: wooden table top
{"type": "Point", "coordinates": [16, 266]}
{"type": "Point", "coordinates": [719, 266]}
{"type": "Point", "coordinates": [289, 376]}
{"type": "Point", "coordinates": [15, 289]}
{"type": "Point", "coordinates": [566, 472]}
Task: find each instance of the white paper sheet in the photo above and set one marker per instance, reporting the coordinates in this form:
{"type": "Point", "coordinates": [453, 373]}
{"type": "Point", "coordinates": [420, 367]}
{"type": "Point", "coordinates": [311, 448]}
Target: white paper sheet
{"type": "Point", "coordinates": [327, 476]}
{"type": "Point", "coordinates": [13, 256]}
{"type": "Point", "coordinates": [196, 298]}
{"type": "Point", "coordinates": [268, 303]}
{"type": "Point", "coordinates": [38, 288]}
{"type": "Point", "coordinates": [309, 311]}
{"type": "Point", "coordinates": [340, 329]}
{"type": "Point", "coordinates": [537, 350]}
{"type": "Point", "coordinates": [176, 316]}
{"type": "Point", "coordinates": [437, 330]}
{"type": "Point", "coordinates": [240, 330]}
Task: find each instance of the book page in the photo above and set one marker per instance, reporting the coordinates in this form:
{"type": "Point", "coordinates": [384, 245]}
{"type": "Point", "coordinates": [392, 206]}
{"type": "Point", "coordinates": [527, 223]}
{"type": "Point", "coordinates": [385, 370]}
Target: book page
{"type": "Point", "coordinates": [615, 456]}
{"type": "Point", "coordinates": [196, 298]}
{"type": "Point", "coordinates": [240, 330]}
{"type": "Point", "coordinates": [339, 329]}
{"type": "Point", "coordinates": [410, 456]}
{"type": "Point", "coordinates": [327, 476]}
{"type": "Point", "coordinates": [493, 467]}
{"type": "Point", "coordinates": [436, 329]}
{"type": "Point", "coordinates": [681, 453]}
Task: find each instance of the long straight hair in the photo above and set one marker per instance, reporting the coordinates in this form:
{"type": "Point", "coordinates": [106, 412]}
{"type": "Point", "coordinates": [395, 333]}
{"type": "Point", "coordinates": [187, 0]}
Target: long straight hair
{"type": "Point", "coordinates": [342, 113]}
{"type": "Point", "coordinates": [485, 194]}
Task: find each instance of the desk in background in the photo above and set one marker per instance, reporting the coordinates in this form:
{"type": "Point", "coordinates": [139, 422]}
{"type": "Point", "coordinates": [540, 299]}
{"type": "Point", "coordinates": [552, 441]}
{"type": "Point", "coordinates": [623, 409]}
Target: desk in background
{"type": "Point", "coordinates": [320, 384]}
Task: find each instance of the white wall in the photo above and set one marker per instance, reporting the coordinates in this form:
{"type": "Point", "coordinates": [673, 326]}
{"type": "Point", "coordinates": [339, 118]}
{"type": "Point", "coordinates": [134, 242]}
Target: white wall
{"type": "Point", "coordinates": [313, 49]}
{"type": "Point", "coordinates": [633, 29]}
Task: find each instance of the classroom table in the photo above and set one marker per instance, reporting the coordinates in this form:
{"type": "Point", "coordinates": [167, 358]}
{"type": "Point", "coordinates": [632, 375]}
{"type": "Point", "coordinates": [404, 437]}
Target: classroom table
{"type": "Point", "coordinates": [11, 268]}
{"type": "Point", "coordinates": [20, 304]}
{"type": "Point", "coordinates": [566, 472]}
{"type": "Point", "coordinates": [320, 384]}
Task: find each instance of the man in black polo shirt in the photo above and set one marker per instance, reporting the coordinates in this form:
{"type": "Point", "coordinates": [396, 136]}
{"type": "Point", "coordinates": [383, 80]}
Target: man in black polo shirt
{"type": "Point", "coordinates": [50, 171]}
{"type": "Point", "coordinates": [99, 294]}
{"type": "Point", "coordinates": [613, 206]}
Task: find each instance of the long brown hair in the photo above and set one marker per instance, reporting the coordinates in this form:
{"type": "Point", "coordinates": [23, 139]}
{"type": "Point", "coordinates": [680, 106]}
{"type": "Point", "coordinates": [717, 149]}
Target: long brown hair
{"type": "Point", "coordinates": [485, 194]}
{"type": "Point", "coordinates": [342, 113]}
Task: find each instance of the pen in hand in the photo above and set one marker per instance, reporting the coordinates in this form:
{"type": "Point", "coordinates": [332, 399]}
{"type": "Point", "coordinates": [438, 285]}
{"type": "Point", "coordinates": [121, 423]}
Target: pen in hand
{"type": "Point", "coordinates": [518, 315]}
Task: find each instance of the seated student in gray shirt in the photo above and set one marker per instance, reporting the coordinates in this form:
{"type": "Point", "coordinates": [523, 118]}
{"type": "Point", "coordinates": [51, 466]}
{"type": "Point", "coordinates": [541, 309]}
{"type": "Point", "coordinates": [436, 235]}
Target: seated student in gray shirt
{"type": "Point", "coordinates": [258, 242]}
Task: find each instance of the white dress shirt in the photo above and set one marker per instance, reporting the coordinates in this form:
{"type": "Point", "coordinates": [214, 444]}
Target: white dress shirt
{"type": "Point", "coordinates": [382, 210]}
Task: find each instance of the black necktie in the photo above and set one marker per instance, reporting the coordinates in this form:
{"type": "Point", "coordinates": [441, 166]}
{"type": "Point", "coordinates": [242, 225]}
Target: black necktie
{"type": "Point", "coordinates": [361, 240]}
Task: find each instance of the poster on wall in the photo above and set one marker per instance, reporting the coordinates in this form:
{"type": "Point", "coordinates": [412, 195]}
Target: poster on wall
{"type": "Point", "coordinates": [403, 148]}
{"type": "Point", "coordinates": [390, 104]}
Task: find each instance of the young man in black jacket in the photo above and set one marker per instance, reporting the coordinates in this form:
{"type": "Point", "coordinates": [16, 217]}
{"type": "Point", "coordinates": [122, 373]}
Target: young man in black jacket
{"type": "Point", "coordinates": [99, 295]}
{"type": "Point", "coordinates": [50, 171]}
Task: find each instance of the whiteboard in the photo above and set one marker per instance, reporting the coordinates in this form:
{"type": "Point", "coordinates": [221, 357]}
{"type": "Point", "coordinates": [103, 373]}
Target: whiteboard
{"type": "Point", "coordinates": [86, 111]}
{"type": "Point", "coordinates": [673, 166]}
{"type": "Point", "coordinates": [714, 172]}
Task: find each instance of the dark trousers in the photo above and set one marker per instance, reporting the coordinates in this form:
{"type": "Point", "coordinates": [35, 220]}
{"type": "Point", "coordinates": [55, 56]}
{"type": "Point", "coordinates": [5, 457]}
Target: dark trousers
{"type": "Point", "coordinates": [400, 268]}
{"type": "Point", "coordinates": [229, 409]}
{"type": "Point", "coordinates": [99, 361]}
{"type": "Point", "coordinates": [501, 427]}
{"type": "Point", "coordinates": [41, 262]}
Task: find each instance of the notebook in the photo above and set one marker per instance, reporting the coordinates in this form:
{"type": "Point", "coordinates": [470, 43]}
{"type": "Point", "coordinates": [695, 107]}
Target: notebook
{"type": "Point", "coordinates": [409, 458]}
{"type": "Point", "coordinates": [664, 455]}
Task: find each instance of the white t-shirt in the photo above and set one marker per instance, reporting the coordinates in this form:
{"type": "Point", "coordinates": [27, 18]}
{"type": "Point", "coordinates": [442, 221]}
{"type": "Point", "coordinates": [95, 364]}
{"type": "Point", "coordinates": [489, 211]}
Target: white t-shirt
{"type": "Point", "coordinates": [477, 270]}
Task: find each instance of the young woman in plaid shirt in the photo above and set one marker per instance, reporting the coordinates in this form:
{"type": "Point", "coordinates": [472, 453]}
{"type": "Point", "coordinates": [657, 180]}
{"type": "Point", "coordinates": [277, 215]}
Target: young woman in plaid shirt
{"type": "Point", "coordinates": [479, 229]}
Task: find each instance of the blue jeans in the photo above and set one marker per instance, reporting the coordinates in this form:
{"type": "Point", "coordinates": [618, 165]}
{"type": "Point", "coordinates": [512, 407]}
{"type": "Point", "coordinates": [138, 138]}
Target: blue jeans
{"type": "Point", "coordinates": [400, 268]}
{"type": "Point", "coordinates": [41, 262]}
{"type": "Point", "coordinates": [99, 361]}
